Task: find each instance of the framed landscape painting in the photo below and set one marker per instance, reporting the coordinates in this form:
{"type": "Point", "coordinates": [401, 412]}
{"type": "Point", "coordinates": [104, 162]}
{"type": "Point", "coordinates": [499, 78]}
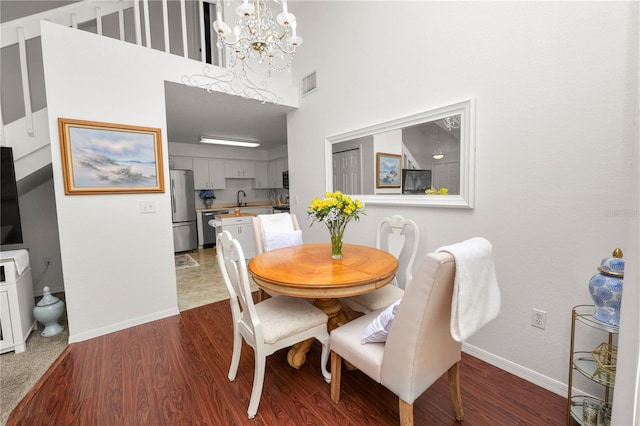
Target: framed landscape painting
{"type": "Point", "coordinates": [106, 158]}
{"type": "Point", "coordinates": [388, 171]}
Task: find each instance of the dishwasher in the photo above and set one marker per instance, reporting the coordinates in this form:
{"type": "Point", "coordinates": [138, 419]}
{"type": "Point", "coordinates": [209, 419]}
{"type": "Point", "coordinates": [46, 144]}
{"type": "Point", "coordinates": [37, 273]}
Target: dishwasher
{"type": "Point", "coordinates": [209, 233]}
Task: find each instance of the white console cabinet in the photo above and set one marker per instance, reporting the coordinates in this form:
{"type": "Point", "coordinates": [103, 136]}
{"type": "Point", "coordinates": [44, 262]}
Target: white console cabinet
{"type": "Point", "coordinates": [16, 305]}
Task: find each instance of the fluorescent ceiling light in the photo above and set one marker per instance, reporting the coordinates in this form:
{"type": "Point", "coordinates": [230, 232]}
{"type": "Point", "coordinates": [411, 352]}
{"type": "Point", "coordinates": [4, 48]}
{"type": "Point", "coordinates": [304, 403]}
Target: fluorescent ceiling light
{"type": "Point", "coordinates": [229, 141]}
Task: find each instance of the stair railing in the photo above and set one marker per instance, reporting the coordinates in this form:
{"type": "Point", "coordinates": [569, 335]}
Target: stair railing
{"type": "Point", "coordinates": [20, 30]}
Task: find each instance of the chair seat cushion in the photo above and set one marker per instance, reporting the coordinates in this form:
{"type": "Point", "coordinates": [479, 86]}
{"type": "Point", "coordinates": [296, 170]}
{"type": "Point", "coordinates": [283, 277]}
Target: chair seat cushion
{"type": "Point", "coordinates": [345, 341]}
{"type": "Point", "coordinates": [285, 316]}
{"type": "Point", "coordinates": [375, 300]}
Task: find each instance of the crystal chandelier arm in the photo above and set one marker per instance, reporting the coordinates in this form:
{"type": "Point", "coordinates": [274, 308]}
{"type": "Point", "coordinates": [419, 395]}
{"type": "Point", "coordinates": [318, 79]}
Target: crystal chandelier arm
{"type": "Point", "coordinates": [258, 36]}
{"type": "Point", "coordinates": [283, 48]}
{"type": "Point", "coordinates": [281, 36]}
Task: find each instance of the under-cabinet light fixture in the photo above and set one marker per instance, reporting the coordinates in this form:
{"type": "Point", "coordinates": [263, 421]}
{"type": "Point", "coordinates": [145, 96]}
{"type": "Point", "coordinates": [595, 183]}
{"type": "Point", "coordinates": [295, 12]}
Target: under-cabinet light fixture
{"type": "Point", "coordinates": [229, 141]}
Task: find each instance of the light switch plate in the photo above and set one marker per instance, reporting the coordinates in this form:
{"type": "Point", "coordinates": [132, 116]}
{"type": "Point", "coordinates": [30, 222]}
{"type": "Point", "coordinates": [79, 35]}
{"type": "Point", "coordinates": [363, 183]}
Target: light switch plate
{"type": "Point", "coordinates": [147, 206]}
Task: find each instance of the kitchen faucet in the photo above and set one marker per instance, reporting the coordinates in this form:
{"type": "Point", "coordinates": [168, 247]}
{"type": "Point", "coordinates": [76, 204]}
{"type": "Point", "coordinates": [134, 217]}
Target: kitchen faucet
{"type": "Point", "coordinates": [243, 193]}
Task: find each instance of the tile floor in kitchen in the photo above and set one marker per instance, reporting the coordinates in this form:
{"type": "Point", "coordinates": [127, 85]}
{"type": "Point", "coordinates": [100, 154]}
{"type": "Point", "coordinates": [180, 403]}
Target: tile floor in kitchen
{"type": "Point", "coordinates": [203, 284]}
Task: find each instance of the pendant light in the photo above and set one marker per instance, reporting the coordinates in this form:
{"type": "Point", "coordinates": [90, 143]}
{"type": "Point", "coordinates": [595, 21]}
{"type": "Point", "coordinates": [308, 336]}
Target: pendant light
{"type": "Point", "coordinates": [438, 154]}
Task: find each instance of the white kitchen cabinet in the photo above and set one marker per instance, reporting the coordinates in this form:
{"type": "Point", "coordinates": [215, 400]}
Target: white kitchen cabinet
{"type": "Point", "coordinates": [274, 172]}
{"type": "Point", "coordinates": [272, 175]}
{"type": "Point", "coordinates": [241, 228]}
{"type": "Point", "coordinates": [261, 180]}
{"type": "Point", "coordinates": [177, 162]}
{"type": "Point", "coordinates": [209, 173]}
{"type": "Point", "coordinates": [240, 169]}
{"type": "Point", "coordinates": [16, 307]}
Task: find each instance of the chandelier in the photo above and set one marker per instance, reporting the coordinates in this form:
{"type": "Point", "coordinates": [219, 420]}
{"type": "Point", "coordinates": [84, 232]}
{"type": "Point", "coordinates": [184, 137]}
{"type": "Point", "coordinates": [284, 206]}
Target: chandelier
{"type": "Point", "coordinates": [437, 153]}
{"type": "Point", "coordinates": [452, 122]}
{"type": "Point", "coordinates": [258, 36]}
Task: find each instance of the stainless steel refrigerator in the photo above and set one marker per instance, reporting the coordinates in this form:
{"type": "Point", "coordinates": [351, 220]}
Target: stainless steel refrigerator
{"type": "Point", "coordinates": [183, 209]}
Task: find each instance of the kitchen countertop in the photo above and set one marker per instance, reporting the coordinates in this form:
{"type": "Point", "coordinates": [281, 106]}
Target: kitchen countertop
{"type": "Point", "coordinates": [231, 207]}
{"type": "Point", "coordinates": [231, 215]}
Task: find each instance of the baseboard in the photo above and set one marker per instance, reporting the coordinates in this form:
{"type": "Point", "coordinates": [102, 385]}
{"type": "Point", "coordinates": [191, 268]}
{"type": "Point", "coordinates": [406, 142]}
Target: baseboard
{"type": "Point", "coordinates": [97, 332]}
{"type": "Point", "coordinates": [538, 379]}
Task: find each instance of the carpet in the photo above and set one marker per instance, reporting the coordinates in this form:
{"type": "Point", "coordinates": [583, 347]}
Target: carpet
{"type": "Point", "coordinates": [20, 372]}
{"type": "Point", "coordinates": [185, 261]}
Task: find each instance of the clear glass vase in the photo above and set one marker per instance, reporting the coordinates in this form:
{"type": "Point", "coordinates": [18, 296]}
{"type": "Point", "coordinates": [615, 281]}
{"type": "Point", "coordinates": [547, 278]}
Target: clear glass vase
{"type": "Point", "coordinates": [336, 244]}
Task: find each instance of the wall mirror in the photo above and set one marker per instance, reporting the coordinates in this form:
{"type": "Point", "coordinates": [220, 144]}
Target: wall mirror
{"type": "Point", "coordinates": [426, 159]}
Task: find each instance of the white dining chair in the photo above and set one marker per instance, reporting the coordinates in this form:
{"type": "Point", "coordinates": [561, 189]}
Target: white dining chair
{"type": "Point", "coordinates": [419, 347]}
{"type": "Point", "coordinates": [400, 237]}
{"type": "Point", "coordinates": [267, 326]}
{"type": "Point", "coordinates": [272, 231]}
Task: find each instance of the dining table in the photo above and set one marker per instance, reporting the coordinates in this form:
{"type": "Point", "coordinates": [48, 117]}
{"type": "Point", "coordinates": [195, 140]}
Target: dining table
{"type": "Point", "coordinates": [309, 271]}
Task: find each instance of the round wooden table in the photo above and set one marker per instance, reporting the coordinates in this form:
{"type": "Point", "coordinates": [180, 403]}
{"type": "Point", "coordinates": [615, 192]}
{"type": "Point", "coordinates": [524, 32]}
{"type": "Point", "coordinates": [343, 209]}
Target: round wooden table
{"type": "Point", "coordinates": [308, 271]}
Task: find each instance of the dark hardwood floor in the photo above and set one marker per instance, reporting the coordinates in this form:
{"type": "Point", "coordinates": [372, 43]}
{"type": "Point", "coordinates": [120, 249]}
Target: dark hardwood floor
{"type": "Point", "coordinates": [174, 372]}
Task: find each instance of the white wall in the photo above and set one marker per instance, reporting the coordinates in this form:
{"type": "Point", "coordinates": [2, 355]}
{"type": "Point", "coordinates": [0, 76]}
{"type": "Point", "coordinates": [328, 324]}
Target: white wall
{"type": "Point", "coordinates": [118, 263]}
{"type": "Point", "coordinates": [556, 91]}
{"type": "Point", "coordinates": [40, 233]}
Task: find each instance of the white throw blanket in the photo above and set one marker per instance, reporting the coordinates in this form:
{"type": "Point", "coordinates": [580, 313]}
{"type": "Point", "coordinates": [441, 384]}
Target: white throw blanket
{"type": "Point", "coordinates": [279, 222]}
{"type": "Point", "coordinates": [276, 240]}
{"type": "Point", "coordinates": [278, 232]}
{"type": "Point", "coordinates": [476, 296]}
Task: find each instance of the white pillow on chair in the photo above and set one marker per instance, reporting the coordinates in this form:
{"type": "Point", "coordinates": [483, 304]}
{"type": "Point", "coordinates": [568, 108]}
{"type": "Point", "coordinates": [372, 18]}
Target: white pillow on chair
{"type": "Point", "coordinates": [378, 329]}
{"type": "Point", "coordinates": [279, 239]}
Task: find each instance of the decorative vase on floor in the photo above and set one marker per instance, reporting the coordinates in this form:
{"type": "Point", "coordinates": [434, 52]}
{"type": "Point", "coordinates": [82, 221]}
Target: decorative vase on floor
{"type": "Point", "coordinates": [48, 311]}
{"type": "Point", "coordinates": [606, 289]}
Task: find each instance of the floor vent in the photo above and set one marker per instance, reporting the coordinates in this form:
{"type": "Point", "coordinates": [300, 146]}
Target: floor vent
{"type": "Point", "coordinates": [309, 84]}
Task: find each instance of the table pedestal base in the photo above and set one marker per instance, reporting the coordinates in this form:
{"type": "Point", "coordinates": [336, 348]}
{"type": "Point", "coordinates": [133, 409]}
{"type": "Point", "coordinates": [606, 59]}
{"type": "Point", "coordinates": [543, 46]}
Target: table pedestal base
{"type": "Point", "coordinates": [333, 308]}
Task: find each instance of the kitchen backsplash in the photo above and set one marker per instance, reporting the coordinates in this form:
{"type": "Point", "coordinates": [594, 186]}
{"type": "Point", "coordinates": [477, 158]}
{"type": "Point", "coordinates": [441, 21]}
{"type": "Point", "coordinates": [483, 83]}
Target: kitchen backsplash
{"type": "Point", "coordinates": [228, 196]}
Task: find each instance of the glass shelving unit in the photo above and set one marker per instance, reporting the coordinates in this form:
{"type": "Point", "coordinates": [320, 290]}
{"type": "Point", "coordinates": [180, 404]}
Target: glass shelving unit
{"type": "Point", "coordinates": [585, 363]}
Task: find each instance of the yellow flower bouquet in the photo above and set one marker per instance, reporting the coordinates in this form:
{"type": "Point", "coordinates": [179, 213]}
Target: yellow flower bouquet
{"type": "Point", "coordinates": [433, 191]}
{"type": "Point", "coordinates": [335, 210]}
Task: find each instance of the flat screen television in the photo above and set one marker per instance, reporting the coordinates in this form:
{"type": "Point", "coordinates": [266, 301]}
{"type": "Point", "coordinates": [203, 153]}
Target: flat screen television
{"type": "Point", "coordinates": [415, 181]}
{"type": "Point", "coordinates": [10, 225]}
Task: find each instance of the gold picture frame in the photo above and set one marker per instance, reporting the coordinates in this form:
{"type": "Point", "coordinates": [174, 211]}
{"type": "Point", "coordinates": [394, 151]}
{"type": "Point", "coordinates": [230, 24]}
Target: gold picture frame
{"type": "Point", "coordinates": [107, 158]}
{"type": "Point", "coordinates": [388, 170]}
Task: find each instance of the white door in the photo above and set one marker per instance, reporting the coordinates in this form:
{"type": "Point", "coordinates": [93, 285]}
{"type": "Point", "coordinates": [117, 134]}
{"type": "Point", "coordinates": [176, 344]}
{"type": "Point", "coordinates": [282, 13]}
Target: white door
{"type": "Point", "coordinates": [347, 175]}
{"type": "Point", "coordinates": [447, 175]}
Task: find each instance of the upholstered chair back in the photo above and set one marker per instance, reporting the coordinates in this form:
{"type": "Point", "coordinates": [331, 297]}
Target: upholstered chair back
{"type": "Point", "coordinates": [419, 348]}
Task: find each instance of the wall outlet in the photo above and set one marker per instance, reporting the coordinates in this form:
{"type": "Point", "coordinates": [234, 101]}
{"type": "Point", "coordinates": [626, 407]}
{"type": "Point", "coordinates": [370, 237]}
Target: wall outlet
{"type": "Point", "coordinates": [538, 318]}
{"type": "Point", "coordinates": [48, 261]}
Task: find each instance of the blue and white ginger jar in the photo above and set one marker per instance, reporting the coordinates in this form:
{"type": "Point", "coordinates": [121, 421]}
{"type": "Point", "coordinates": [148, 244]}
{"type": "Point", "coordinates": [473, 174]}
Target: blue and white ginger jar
{"type": "Point", "coordinates": [606, 289]}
